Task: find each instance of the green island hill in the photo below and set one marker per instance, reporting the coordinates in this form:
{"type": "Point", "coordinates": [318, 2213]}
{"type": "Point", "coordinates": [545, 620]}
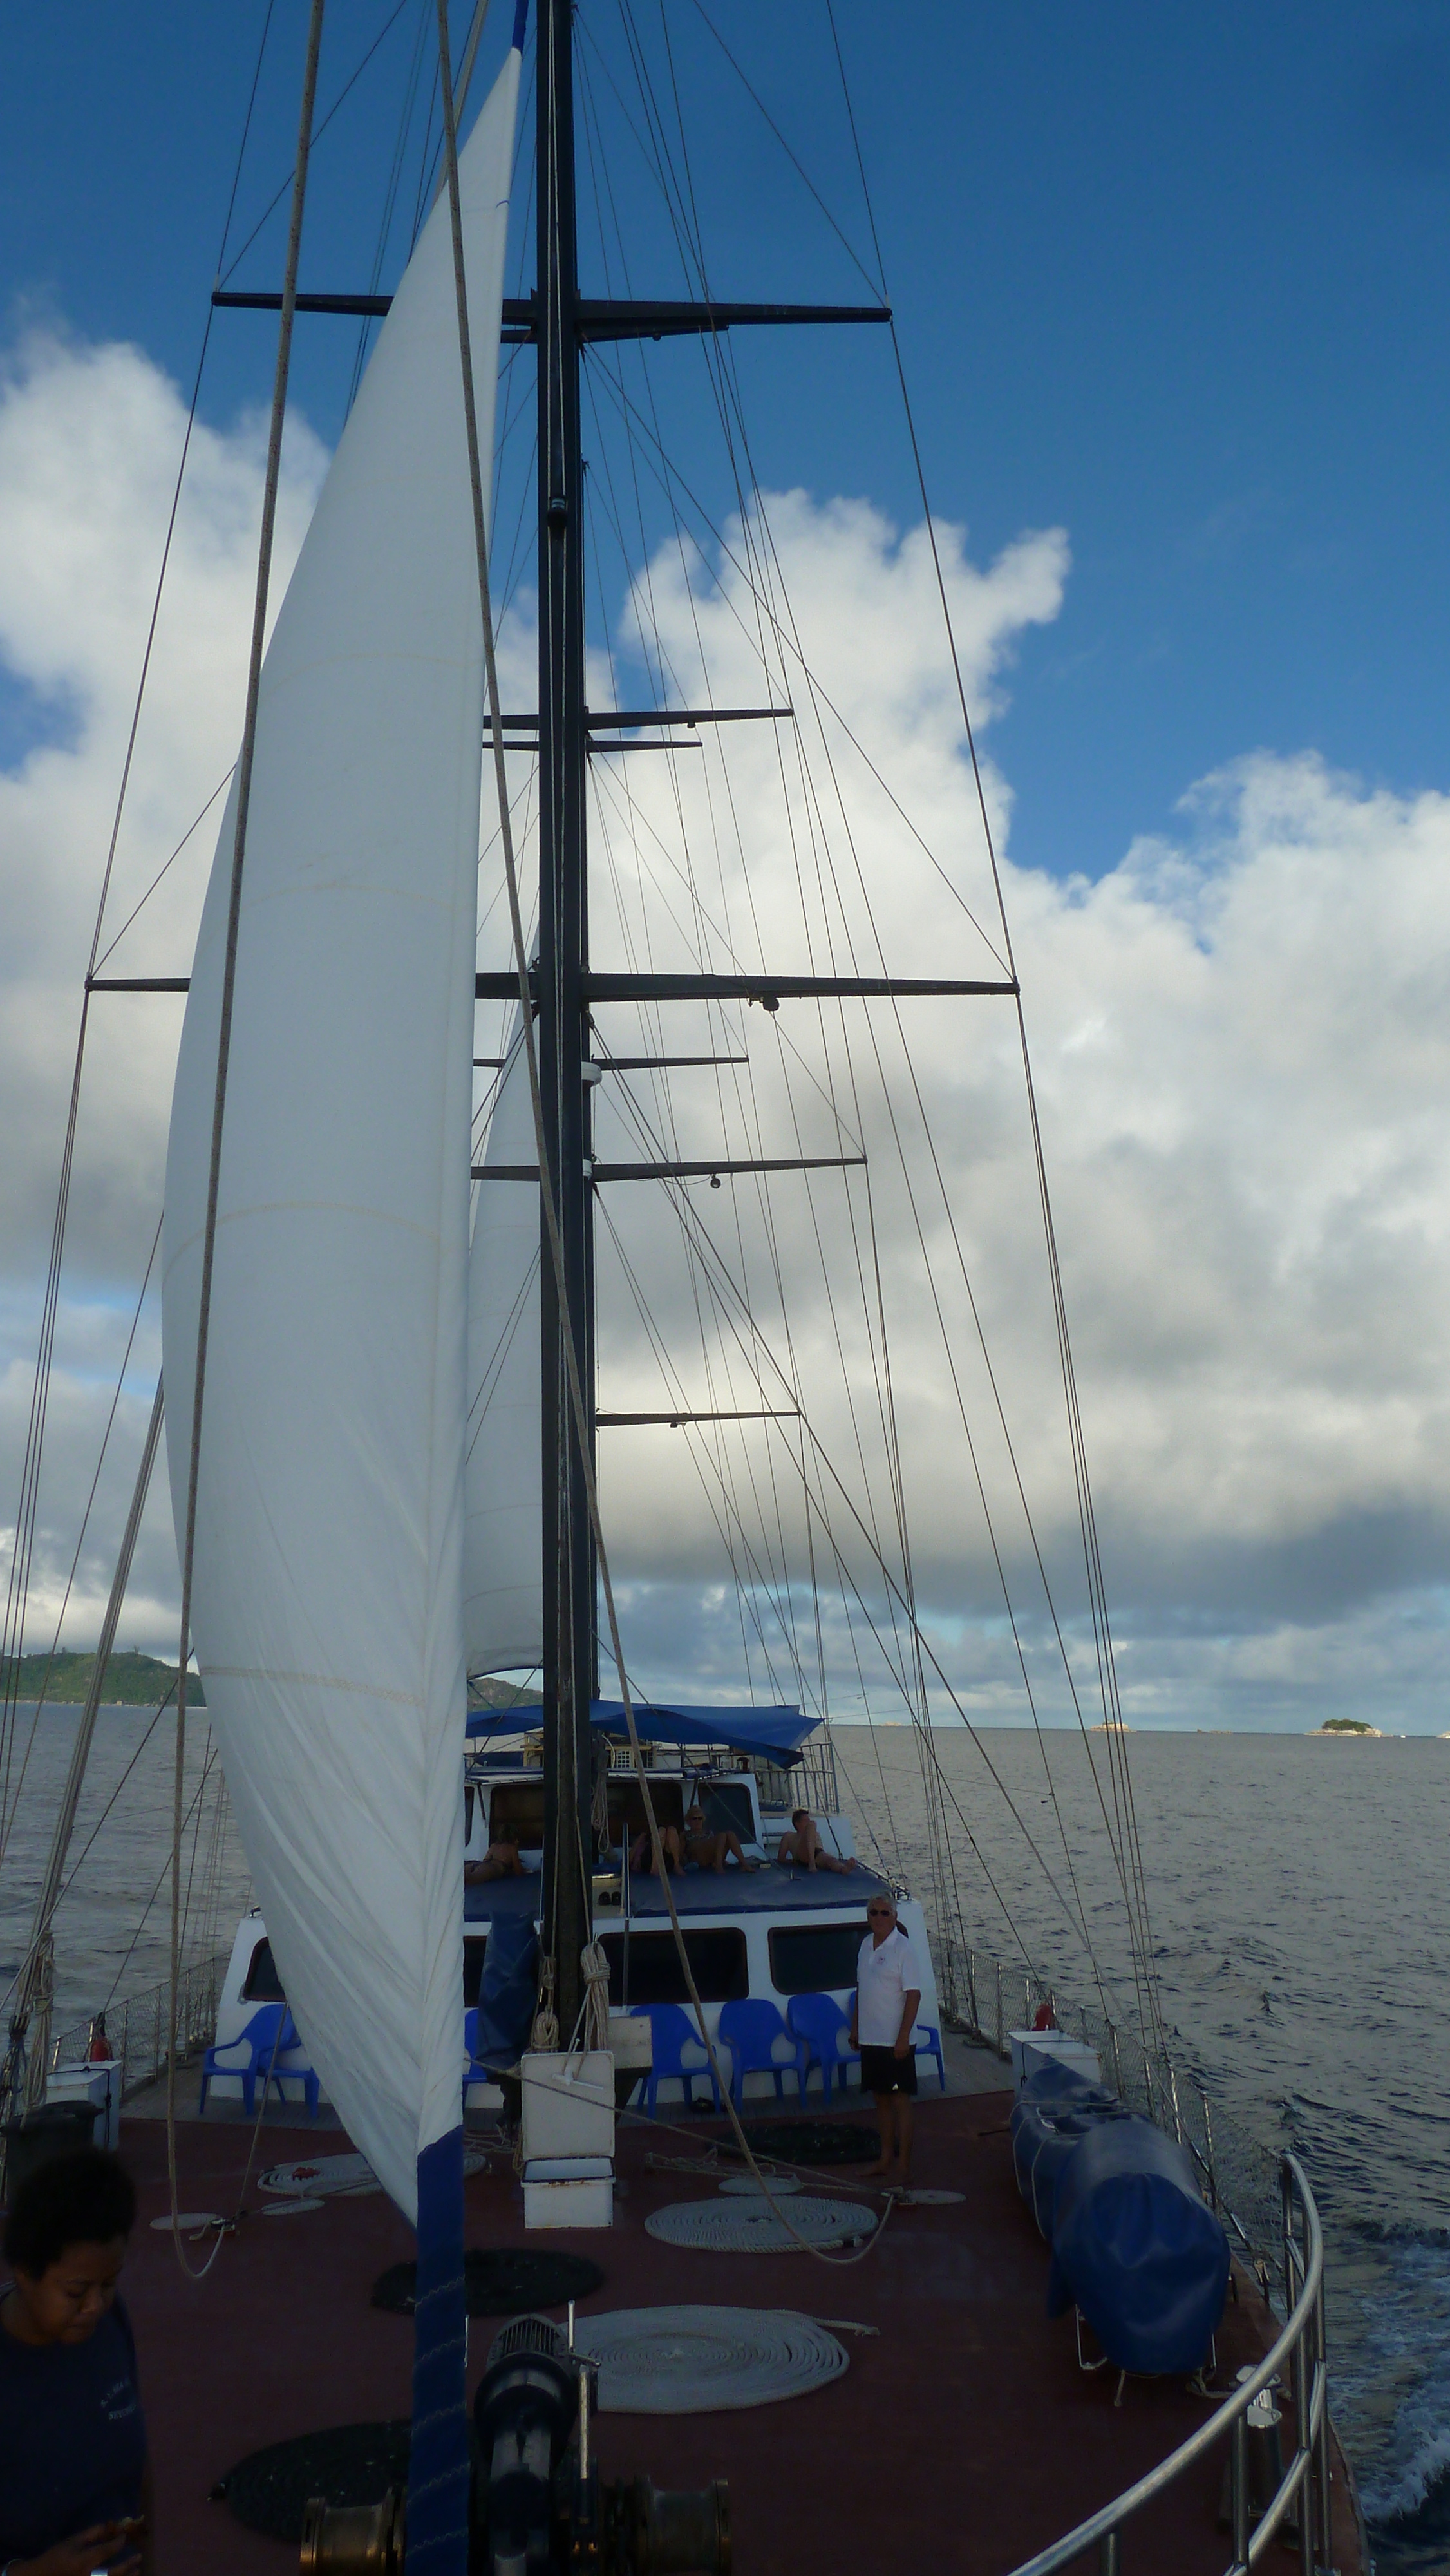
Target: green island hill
{"type": "Point", "coordinates": [132, 1680]}
{"type": "Point", "coordinates": [1344, 1726]}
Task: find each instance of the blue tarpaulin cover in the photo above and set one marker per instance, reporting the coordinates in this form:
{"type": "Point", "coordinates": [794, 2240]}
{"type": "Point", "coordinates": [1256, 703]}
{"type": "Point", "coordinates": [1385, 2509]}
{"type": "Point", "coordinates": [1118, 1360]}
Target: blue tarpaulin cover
{"type": "Point", "coordinates": [1137, 2249]}
{"type": "Point", "coordinates": [506, 1993]}
{"type": "Point", "coordinates": [778, 1733]}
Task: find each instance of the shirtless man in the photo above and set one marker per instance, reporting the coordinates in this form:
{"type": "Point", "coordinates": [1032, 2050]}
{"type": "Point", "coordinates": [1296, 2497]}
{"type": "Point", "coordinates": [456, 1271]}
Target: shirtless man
{"type": "Point", "coordinates": [803, 1844]}
{"type": "Point", "coordinates": [707, 1850]}
{"type": "Point", "coordinates": [501, 1860]}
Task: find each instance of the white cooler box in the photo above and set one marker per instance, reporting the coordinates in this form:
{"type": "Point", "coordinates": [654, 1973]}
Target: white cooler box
{"type": "Point", "coordinates": [1034, 2049]}
{"type": "Point", "coordinates": [569, 2191]}
{"type": "Point", "coordinates": [568, 2106]}
{"type": "Point", "coordinates": [98, 2080]}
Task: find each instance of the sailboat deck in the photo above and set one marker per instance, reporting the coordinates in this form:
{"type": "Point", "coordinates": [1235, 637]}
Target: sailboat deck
{"type": "Point", "coordinates": [963, 2436]}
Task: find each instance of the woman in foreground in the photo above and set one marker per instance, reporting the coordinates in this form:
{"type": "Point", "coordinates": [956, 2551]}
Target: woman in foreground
{"type": "Point", "coordinates": [75, 2482]}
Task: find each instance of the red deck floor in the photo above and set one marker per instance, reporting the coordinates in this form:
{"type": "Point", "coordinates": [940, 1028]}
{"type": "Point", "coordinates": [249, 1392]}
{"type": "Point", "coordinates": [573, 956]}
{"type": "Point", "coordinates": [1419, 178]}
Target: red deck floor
{"type": "Point", "coordinates": [962, 2438]}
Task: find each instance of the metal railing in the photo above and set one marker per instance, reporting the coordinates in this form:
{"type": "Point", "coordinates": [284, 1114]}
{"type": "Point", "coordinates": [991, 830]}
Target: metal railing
{"type": "Point", "coordinates": [139, 2029]}
{"type": "Point", "coordinates": [988, 1998]}
{"type": "Point", "coordinates": [1299, 2355]}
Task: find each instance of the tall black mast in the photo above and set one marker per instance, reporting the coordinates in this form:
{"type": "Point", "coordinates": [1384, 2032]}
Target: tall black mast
{"type": "Point", "coordinates": [569, 1581]}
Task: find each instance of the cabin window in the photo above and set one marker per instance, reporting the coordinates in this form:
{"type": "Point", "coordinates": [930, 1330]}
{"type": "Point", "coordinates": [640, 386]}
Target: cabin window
{"type": "Point", "coordinates": [262, 1985]}
{"type": "Point", "coordinates": [717, 1963]}
{"type": "Point", "coordinates": [814, 1958]}
{"type": "Point", "coordinates": [727, 1808]}
{"type": "Point", "coordinates": [519, 1804]}
{"type": "Point", "coordinates": [626, 1805]}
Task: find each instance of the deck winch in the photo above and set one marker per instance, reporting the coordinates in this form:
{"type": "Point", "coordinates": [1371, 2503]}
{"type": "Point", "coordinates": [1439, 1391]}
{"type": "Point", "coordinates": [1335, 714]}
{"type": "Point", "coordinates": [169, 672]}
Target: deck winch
{"type": "Point", "coordinates": [539, 2507]}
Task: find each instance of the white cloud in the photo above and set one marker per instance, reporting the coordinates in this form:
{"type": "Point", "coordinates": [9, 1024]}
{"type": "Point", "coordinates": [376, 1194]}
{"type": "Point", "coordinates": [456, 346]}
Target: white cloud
{"type": "Point", "coordinates": [1239, 1039]}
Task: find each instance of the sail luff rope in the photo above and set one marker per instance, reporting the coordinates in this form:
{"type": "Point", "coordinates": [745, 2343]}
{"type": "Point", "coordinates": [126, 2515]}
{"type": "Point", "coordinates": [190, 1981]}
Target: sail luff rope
{"type": "Point", "coordinates": [546, 1192]}
{"type": "Point", "coordinates": [229, 975]}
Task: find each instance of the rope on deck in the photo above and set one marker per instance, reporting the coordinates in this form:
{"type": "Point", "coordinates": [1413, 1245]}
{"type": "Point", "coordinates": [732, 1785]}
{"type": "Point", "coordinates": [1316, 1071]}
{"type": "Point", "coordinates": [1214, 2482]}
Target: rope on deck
{"type": "Point", "coordinates": [703, 2361]}
{"type": "Point", "coordinates": [755, 2226]}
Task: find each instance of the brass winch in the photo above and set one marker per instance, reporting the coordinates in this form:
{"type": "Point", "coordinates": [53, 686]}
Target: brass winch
{"type": "Point", "coordinates": [538, 2505]}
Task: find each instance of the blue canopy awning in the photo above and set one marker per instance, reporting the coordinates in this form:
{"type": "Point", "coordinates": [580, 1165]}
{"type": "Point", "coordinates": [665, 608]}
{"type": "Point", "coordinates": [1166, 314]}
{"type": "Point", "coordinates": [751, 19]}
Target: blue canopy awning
{"type": "Point", "coordinates": [778, 1733]}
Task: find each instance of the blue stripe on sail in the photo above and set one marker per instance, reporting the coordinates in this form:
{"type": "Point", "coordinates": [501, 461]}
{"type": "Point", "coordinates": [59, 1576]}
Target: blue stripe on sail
{"type": "Point", "coordinates": [521, 20]}
{"type": "Point", "coordinates": [438, 2467]}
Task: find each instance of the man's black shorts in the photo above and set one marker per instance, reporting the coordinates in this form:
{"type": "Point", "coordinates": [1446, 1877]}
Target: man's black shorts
{"type": "Point", "coordinates": [882, 2071]}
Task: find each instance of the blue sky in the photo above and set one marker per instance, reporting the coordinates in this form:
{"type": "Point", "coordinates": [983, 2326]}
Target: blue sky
{"type": "Point", "coordinates": [1172, 284]}
{"type": "Point", "coordinates": [1174, 280]}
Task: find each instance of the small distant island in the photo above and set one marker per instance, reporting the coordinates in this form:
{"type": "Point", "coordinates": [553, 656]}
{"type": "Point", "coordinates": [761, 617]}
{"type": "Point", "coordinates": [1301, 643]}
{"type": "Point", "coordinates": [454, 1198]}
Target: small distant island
{"type": "Point", "coordinates": [1344, 1726]}
{"type": "Point", "coordinates": [132, 1680]}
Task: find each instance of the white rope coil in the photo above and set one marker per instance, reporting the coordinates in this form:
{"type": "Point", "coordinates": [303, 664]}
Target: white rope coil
{"type": "Point", "coordinates": [753, 2226]}
{"type": "Point", "coordinates": [703, 2361]}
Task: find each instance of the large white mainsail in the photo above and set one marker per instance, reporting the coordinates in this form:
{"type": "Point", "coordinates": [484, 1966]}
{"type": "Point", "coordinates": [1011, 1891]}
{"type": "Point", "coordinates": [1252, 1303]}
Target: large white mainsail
{"type": "Point", "coordinates": [503, 1603]}
{"type": "Point", "coordinates": [328, 1556]}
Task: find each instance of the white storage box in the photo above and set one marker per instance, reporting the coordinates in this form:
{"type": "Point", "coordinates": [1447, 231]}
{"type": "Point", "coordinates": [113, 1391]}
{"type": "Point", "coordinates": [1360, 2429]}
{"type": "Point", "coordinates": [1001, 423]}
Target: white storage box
{"type": "Point", "coordinates": [97, 2081]}
{"type": "Point", "coordinates": [568, 2107]}
{"type": "Point", "coordinates": [1034, 2049]}
{"type": "Point", "coordinates": [569, 2191]}
{"type": "Point", "coordinates": [631, 2041]}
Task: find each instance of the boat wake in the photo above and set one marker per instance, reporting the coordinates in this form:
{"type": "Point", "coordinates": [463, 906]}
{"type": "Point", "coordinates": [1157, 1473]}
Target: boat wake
{"type": "Point", "coordinates": [1391, 2392]}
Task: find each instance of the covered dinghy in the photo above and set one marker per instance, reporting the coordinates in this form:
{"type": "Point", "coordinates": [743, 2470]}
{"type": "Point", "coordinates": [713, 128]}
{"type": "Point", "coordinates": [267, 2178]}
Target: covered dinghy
{"type": "Point", "coordinates": [1137, 2249]}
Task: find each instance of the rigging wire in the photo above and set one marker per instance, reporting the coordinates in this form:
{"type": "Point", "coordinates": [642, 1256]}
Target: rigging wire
{"type": "Point", "coordinates": [229, 974]}
{"type": "Point", "coordinates": [569, 1351]}
{"type": "Point", "coordinates": [12, 1630]}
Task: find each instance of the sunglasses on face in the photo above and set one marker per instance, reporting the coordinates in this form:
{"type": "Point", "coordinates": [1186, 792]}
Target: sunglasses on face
{"type": "Point", "coordinates": [878, 1909]}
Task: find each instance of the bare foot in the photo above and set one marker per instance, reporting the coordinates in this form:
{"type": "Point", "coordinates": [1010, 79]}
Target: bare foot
{"type": "Point", "coordinates": [877, 2172]}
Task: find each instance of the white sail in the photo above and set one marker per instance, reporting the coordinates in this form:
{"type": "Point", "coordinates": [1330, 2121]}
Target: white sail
{"type": "Point", "coordinates": [328, 1560]}
{"type": "Point", "coordinates": [503, 1606]}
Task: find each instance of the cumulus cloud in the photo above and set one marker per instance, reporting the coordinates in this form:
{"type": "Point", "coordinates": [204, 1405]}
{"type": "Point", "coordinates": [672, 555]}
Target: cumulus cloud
{"type": "Point", "coordinates": [90, 440]}
{"type": "Point", "coordinates": [1239, 1043]}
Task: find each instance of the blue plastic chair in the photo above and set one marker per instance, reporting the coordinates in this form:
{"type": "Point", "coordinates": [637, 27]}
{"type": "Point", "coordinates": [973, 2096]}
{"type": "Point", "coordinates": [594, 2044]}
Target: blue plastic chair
{"type": "Point", "coordinates": [751, 2030]}
{"type": "Point", "coordinates": [267, 2038]}
{"type": "Point", "coordinates": [821, 2031]}
{"type": "Point", "coordinates": [926, 2042]}
{"type": "Point", "coordinates": [672, 2031]}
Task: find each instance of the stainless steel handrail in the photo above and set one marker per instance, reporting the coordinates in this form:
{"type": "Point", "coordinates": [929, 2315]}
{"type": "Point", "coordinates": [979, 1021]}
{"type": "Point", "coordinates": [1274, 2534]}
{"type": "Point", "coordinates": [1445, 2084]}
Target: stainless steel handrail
{"type": "Point", "coordinates": [1300, 2346]}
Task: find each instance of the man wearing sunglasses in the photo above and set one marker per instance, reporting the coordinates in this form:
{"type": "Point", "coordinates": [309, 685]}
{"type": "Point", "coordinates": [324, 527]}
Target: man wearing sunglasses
{"type": "Point", "coordinates": [883, 2016]}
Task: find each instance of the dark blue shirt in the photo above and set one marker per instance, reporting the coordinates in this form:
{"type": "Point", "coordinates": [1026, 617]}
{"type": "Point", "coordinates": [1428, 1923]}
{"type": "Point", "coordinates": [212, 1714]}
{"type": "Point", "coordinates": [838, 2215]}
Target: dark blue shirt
{"type": "Point", "coordinates": [74, 2446]}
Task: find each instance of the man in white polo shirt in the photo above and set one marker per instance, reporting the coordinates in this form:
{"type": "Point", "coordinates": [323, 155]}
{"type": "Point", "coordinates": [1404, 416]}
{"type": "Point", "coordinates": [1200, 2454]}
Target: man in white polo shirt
{"type": "Point", "coordinates": [888, 1996]}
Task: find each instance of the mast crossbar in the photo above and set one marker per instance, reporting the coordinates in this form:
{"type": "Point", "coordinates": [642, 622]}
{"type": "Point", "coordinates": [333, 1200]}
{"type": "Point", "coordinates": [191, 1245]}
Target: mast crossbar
{"type": "Point", "coordinates": [594, 317]}
{"type": "Point", "coordinates": [709, 1171]}
{"type": "Point", "coordinates": [674, 1421]}
{"type": "Point", "coordinates": [621, 721]}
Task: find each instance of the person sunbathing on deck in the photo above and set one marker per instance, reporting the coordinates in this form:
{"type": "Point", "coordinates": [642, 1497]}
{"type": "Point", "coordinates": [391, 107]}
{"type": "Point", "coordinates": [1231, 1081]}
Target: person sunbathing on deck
{"type": "Point", "coordinates": [641, 1861]}
{"type": "Point", "coordinates": [501, 1860]}
{"type": "Point", "coordinates": [708, 1850]}
{"type": "Point", "coordinates": [803, 1844]}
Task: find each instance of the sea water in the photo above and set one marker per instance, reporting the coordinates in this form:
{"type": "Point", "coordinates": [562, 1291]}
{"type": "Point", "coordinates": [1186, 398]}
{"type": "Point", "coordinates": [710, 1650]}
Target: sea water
{"type": "Point", "coordinates": [1299, 1903]}
{"type": "Point", "coordinates": [1300, 1911]}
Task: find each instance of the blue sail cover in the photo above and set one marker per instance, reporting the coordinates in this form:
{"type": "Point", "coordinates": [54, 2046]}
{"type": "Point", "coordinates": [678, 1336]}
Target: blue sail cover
{"type": "Point", "coordinates": [777, 1733]}
{"type": "Point", "coordinates": [1136, 2248]}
